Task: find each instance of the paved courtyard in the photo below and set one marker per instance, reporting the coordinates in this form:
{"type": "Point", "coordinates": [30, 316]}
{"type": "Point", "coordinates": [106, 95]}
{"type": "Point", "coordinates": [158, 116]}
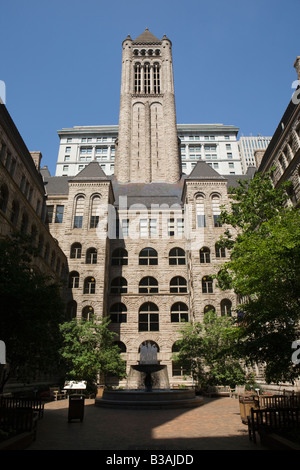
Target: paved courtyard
{"type": "Point", "coordinates": [214, 426]}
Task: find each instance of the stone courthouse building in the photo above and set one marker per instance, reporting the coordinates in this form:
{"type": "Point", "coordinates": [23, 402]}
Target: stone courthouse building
{"type": "Point", "coordinates": [142, 244]}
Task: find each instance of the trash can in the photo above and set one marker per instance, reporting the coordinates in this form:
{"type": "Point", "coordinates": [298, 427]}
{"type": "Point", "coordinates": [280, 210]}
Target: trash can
{"type": "Point", "coordinates": [76, 407]}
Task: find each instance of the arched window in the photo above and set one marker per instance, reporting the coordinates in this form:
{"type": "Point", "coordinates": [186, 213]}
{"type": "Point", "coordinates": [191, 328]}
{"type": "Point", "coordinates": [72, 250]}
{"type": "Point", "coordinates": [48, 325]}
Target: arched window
{"type": "Point", "coordinates": [73, 280]}
{"type": "Point", "coordinates": [75, 251]}
{"type": "Point", "coordinates": [148, 256]}
{"type": "Point", "coordinates": [91, 256]}
{"type": "Point", "coordinates": [41, 243]}
{"type": "Point", "coordinates": [220, 251]}
{"type": "Point", "coordinates": [215, 199]}
{"type": "Point", "coordinates": [118, 313]}
{"type": "Point", "coordinates": [14, 215]}
{"type": "Point", "coordinates": [121, 346]}
{"type": "Point", "coordinates": [226, 306]}
{"type": "Point", "coordinates": [178, 285]}
{"type": "Point", "coordinates": [118, 286]}
{"type": "Point", "coordinates": [87, 312]}
{"type": "Point", "coordinates": [209, 308]}
{"type": "Point", "coordinates": [149, 317]}
{"type": "Point", "coordinates": [147, 79]}
{"type": "Point", "coordinates": [24, 224]}
{"type": "Point", "coordinates": [148, 285]}
{"type": "Point", "coordinates": [200, 210]}
{"type": "Point", "coordinates": [176, 256]}
{"type": "Point", "coordinates": [119, 257]}
{"type": "Point", "coordinates": [179, 312]}
{"type": "Point", "coordinates": [3, 197]}
{"type": "Point", "coordinates": [156, 78]}
{"type": "Point", "coordinates": [137, 77]}
{"type": "Point", "coordinates": [47, 252]}
{"type": "Point", "coordinates": [79, 208]}
{"type": "Point", "coordinates": [207, 285]}
{"type": "Point", "coordinates": [71, 310]}
{"type": "Point", "coordinates": [95, 211]}
{"type": "Point", "coordinates": [204, 255]}
{"type": "Point", "coordinates": [89, 285]}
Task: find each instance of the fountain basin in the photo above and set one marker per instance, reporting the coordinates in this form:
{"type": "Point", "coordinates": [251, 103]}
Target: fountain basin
{"type": "Point", "coordinates": [156, 399]}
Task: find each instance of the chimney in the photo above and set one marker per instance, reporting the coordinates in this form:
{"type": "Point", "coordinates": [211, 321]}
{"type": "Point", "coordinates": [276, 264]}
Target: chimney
{"type": "Point", "coordinates": [258, 156]}
{"type": "Point", "coordinates": [297, 66]}
{"type": "Point", "coordinates": [36, 157]}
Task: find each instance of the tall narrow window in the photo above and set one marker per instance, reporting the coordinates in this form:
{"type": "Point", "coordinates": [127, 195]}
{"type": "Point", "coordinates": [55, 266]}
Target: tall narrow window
{"type": "Point", "coordinates": [78, 217]}
{"type": "Point", "coordinates": [75, 251]}
{"type": "Point", "coordinates": [220, 251]}
{"type": "Point", "coordinates": [50, 210]}
{"type": "Point", "coordinates": [87, 312]}
{"type": "Point", "coordinates": [14, 215]}
{"type": "Point", "coordinates": [91, 256]}
{"type": "Point", "coordinates": [73, 280]}
{"type": "Point", "coordinates": [156, 78]}
{"type": "Point", "coordinates": [204, 255]}
{"type": "Point", "coordinates": [3, 197]}
{"type": "Point", "coordinates": [95, 212]}
{"type": "Point", "coordinates": [216, 210]}
{"type": "Point", "coordinates": [147, 87]}
{"type": "Point", "coordinates": [59, 214]}
{"type": "Point", "coordinates": [89, 285]}
{"type": "Point", "coordinates": [200, 211]}
{"type": "Point", "coordinates": [226, 306]}
{"type": "Point", "coordinates": [137, 77]}
{"type": "Point", "coordinates": [207, 285]}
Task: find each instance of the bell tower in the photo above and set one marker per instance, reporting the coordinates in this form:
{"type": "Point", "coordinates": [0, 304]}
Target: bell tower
{"type": "Point", "coordinates": [147, 149]}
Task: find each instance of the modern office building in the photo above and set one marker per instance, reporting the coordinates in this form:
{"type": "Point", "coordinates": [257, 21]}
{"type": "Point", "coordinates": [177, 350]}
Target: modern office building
{"type": "Point", "coordinates": [247, 147]}
{"type": "Point", "coordinates": [215, 144]}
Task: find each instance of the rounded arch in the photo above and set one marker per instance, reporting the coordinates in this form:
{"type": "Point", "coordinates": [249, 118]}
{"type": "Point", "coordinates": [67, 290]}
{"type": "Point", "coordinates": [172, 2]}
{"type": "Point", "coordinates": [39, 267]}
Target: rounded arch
{"type": "Point", "coordinates": [148, 317]}
{"type": "Point", "coordinates": [226, 307]}
{"type": "Point", "coordinates": [118, 313]}
{"type": "Point", "coordinates": [176, 256]}
{"type": "Point", "coordinates": [73, 280]}
{"type": "Point", "coordinates": [148, 285]}
{"type": "Point", "coordinates": [89, 286]}
{"type": "Point", "coordinates": [150, 343]}
{"type": "Point", "coordinates": [122, 346]}
{"type": "Point", "coordinates": [118, 285]}
{"type": "Point", "coordinates": [91, 256]}
{"type": "Point", "coordinates": [209, 308]}
{"type": "Point", "coordinates": [204, 255]}
{"type": "Point", "coordinates": [87, 312]}
{"type": "Point", "coordinates": [75, 251]}
{"type": "Point", "coordinates": [71, 310]}
{"type": "Point", "coordinates": [178, 285]}
{"type": "Point", "coordinates": [148, 256]}
{"type": "Point", "coordinates": [179, 312]}
{"type": "Point", "coordinates": [119, 257]}
{"type": "Point", "coordinates": [207, 285]}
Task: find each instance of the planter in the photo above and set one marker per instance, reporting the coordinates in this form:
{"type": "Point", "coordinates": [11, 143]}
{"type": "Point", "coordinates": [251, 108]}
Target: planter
{"type": "Point", "coordinates": [246, 404]}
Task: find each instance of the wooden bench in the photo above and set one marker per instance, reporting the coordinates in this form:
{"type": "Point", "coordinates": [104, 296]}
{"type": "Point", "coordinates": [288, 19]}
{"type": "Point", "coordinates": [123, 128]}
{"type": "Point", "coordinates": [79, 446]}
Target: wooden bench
{"type": "Point", "coordinates": [57, 394]}
{"type": "Point", "coordinates": [36, 405]}
{"type": "Point", "coordinates": [219, 390]}
{"type": "Point", "coordinates": [272, 419]}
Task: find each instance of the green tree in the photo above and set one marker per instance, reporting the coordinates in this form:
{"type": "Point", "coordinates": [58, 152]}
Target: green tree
{"type": "Point", "coordinates": [207, 350]}
{"type": "Point", "coordinates": [264, 271]}
{"type": "Point", "coordinates": [89, 351]}
{"type": "Point", "coordinates": [31, 310]}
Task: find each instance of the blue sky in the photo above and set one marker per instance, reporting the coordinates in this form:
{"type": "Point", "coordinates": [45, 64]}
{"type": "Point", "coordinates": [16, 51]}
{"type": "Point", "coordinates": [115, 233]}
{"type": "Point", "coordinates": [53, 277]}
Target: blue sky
{"type": "Point", "coordinates": [61, 61]}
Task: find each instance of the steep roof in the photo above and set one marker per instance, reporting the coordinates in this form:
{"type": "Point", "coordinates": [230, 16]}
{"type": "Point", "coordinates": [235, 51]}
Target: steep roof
{"type": "Point", "coordinates": [204, 171]}
{"type": "Point", "coordinates": [146, 38]}
{"type": "Point", "coordinates": [92, 171]}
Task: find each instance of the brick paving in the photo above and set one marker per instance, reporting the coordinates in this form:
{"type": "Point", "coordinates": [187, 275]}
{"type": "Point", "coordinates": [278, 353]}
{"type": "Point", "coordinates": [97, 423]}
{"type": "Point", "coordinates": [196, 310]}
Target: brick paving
{"type": "Point", "coordinates": [214, 426]}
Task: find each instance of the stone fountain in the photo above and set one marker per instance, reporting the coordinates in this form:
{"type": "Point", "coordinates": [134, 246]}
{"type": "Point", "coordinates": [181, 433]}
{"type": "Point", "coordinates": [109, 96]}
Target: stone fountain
{"type": "Point", "coordinates": [148, 386]}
